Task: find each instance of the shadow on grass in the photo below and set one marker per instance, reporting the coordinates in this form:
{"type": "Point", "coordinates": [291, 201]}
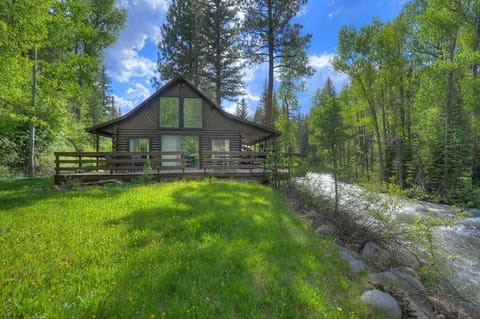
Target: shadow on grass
{"type": "Point", "coordinates": [222, 250]}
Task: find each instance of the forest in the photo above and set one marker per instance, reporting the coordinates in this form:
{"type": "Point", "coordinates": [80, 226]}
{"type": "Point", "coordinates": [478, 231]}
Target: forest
{"type": "Point", "coordinates": [410, 115]}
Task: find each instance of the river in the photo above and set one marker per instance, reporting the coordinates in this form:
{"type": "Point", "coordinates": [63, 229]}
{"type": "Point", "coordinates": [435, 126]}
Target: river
{"type": "Point", "coordinates": [460, 240]}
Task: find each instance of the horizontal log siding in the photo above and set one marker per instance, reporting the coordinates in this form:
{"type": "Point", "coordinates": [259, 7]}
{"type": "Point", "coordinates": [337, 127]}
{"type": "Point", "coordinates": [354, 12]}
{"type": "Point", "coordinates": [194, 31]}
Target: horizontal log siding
{"type": "Point", "coordinates": [154, 136]}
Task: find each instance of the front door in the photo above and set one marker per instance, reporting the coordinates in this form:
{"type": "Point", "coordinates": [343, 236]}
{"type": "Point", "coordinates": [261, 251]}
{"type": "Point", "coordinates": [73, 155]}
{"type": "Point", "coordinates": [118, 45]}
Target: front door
{"type": "Point", "coordinates": [189, 144]}
{"type": "Point", "coordinates": [170, 143]}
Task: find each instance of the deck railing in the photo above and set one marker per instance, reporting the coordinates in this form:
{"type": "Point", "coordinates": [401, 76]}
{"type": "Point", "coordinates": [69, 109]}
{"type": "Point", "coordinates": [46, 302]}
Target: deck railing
{"type": "Point", "coordinates": [117, 162]}
{"type": "Point", "coordinates": [233, 160]}
{"type": "Point", "coordinates": [67, 163]}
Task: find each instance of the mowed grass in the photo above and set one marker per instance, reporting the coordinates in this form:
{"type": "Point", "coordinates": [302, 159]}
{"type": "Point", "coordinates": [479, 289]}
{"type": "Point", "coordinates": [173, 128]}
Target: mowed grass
{"type": "Point", "coordinates": [205, 249]}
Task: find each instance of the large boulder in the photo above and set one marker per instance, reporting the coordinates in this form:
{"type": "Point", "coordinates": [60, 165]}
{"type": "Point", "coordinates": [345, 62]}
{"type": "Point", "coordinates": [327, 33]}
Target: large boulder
{"type": "Point", "coordinates": [382, 302]}
{"type": "Point", "coordinates": [375, 255]}
{"type": "Point", "coordinates": [405, 281]}
{"type": "Point", "coordinates": [356, 265]}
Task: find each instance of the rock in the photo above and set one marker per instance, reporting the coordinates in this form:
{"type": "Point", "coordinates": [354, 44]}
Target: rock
{"type": "Point", "coordinates": [326, 229]}
{"type": "Point", "coordinates": [382, 302]}
{"type": "Point", "coordinates": [356, 265]}
{"type": "Point", "coordinates": [398, 279]}
{"type": "Point", "coordinates": [375, 255]}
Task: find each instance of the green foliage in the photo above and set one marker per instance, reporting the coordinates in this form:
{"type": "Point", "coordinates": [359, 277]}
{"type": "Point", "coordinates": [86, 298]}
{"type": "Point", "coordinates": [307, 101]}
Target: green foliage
{"type": "Point", "coordinates": [411, 106]}
{"type": "Point", "coordinates": [177, 250]}
{"type": "Point", "coordinates": [69, 38]}
{"type": "Point", "coordinates": [242, 110]}
{"type": "Point", "coordinates": [209, 58]}
{"type": "Point", "coordinates": [270, 36]}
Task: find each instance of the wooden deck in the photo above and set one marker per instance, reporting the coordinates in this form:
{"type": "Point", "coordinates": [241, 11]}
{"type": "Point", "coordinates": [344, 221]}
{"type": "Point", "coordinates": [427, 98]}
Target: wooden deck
{"type": "Point", "coordinates": [95, 166]}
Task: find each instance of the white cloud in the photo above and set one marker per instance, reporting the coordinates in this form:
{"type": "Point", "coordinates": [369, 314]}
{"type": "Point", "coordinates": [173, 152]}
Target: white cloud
{"type": "Point", "coordinates": [124, 104]}
{"type": "Point", "coordinates": [133, 96]}
{"type": "Point", "coordinates": [138, 92]}
{"type": "Point", "coordinates": [157, 4]}
{"type": "Point", "coordinates": [231, 108]}
{"type": "Point", "coordinates": [252, 97]}
{"type": "Point", "coordinates": [128, 64]}
{"type": "Point", "coordinates": [321, 61]}
{"type": "Point", "coordinates": [333, 13]}
{"type": "Point", "coordinates": [123, 60]}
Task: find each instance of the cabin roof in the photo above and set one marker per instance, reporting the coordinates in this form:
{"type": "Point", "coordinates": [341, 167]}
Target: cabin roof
{"type": "Point", "coordinates": [101, 128]}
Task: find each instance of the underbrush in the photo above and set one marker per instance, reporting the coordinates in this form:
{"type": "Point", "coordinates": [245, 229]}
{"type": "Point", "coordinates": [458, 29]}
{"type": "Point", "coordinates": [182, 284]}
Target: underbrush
{"type": "Point", "coordinates": [364, 216]}
{"type": "Point", "coordinates": [205, 249]}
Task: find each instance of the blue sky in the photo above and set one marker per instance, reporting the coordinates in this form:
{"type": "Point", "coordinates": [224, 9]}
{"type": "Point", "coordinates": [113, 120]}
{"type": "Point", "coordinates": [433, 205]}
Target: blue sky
{"type": "Point", "coordinates": [131, 61]}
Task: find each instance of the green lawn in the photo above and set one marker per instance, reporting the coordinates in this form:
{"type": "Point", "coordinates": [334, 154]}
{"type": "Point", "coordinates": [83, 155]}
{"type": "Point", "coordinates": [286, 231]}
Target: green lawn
{"type": "Point", "coordinates": [206, 249]}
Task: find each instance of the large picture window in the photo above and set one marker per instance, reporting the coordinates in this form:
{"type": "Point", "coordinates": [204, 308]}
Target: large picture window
{"type": "Point", "coordinates": [192, 112]}
{"type": "Point", "coordinates": [169, 112]}
{"type": "Point", "coordinates": [180, 113]}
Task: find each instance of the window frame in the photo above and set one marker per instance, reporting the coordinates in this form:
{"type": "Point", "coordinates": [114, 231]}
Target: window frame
{"type": "Point", "coordinates": [221, 139]}
{"type": "Point", "coordinates": [149, 140]}
{"type": "Point", "coordinates": [181, 113]}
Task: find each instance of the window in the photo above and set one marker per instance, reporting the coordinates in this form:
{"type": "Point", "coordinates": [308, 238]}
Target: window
{"type": "Point", "coordinates": [169, 112]}
{"type": "Point", "coordinates": [189, 144]}
{"type": "Point", "coordinates": [139, 144]}
{"type": "Point", "coordinates": [221, 145]}
{"type": "Point", "coordinates": [180, 113]}
{"type": "Point", "coordinates": [192, 112]}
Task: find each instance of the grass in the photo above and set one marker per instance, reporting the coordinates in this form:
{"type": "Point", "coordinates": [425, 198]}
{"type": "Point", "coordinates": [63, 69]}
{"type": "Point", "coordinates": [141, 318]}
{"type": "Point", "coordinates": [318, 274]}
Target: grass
{"type": "Point", "coordinates": [205, 249]}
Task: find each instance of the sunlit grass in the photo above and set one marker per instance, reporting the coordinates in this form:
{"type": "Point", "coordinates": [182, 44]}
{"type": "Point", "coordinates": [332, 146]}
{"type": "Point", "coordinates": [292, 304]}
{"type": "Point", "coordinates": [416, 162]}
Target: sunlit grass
{"type": "Point", "coordinates": [206, 249]}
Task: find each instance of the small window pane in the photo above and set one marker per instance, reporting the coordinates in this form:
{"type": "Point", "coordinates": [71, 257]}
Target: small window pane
{"type": "Point", "coordinates": [139, 145]}
{"type": "Point", "coordinates": [221, 145]}
{"type": "Point", "coordinates": [192, 112]}
{"type": "Point", "coordinates": [169, 112]}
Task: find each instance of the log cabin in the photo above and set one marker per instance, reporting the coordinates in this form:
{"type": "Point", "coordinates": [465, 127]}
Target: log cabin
{"type": "Point", "coordinates": [177, 128]}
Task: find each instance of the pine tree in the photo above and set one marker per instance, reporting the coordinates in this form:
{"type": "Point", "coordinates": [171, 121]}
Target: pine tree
{"type": "Point", "coordinates": [270, 35]}
{"type": "Point", "coordinates": [200, 41]}
{"type": "Point", "coordinates": [182, 49]}
{"type": "Point", "coordinates": [222, 54]}
{"type": "Point", "coordinates": [327, 129]}
{"type": "Point", "coordinates": [242, 110]}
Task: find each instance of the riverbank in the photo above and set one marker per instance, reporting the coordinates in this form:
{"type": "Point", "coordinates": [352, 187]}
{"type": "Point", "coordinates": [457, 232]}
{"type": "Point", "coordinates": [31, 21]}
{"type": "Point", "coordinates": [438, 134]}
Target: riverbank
{"type": "Point", "coordinates": [454, 237]}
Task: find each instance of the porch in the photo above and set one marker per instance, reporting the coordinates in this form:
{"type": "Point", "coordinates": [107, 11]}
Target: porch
{"type": "Point", "coordinates": [95, 166]}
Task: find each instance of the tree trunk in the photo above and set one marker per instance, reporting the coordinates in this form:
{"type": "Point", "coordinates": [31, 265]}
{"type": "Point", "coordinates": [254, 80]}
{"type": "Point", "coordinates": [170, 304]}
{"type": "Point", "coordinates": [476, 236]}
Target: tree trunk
{"type": "Point", "coordinates": [373, 112]}
{"type": "Point", "coordinates": [31, 135]}
{"type": "Point", "coordinates": [335, 175]}
{"type": "Point", "coordinates": [451, 95]}
{"type": "Point", "coordinates": [271, 47]}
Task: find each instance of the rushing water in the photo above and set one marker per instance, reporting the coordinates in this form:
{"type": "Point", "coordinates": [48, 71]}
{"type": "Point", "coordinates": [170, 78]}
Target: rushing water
{"type": "Point", "coordinates": [460, 240]}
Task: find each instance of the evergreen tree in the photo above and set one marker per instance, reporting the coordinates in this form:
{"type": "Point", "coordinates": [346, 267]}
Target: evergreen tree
{"type": "Point", "coordinates": [260, 115]}
{"type": "Point", "coordinates": [270, 35]}
{"type": "Point", "coordinates": [242, 110]}
{"type": "Point", "coordinates": [200, 41]}
{"type": "Point", "coordinates": [292, 77]}
{"type": "Point", "coordinates": [183, 45]}
{"type": "Point", "coordinates": [327, 129]}
{"type": "Point", "coordinates": [222, 56]}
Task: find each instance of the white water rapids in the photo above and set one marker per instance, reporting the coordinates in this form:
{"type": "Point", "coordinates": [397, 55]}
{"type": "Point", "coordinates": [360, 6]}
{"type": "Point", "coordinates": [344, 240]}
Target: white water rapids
{"type": "Point", "coordinates": [460, 240]}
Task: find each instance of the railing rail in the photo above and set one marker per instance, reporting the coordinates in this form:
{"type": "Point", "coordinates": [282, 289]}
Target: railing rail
{"type": "Point", "coordinates": [117, 162]}
{"type": "Point", "coordinates": [233, 160]}
{"type": "Point", "coordinates": [67, 163]}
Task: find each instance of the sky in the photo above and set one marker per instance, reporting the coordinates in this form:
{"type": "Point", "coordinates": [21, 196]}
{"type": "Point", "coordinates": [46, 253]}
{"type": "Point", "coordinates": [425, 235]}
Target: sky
{"type": "Point", "coordinates": [131, 61]}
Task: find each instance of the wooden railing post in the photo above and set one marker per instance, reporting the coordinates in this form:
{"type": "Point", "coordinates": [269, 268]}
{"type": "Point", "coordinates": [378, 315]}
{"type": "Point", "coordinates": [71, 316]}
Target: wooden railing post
{"type": "Point", "coordinates": [57, 164]}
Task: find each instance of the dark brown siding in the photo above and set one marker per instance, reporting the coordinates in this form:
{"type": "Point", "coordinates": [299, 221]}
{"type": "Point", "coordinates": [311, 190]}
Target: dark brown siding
{"type": "Point", "coordinates": [216, 124]}
{"type": "Point", "coordinates": [154, 136]}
